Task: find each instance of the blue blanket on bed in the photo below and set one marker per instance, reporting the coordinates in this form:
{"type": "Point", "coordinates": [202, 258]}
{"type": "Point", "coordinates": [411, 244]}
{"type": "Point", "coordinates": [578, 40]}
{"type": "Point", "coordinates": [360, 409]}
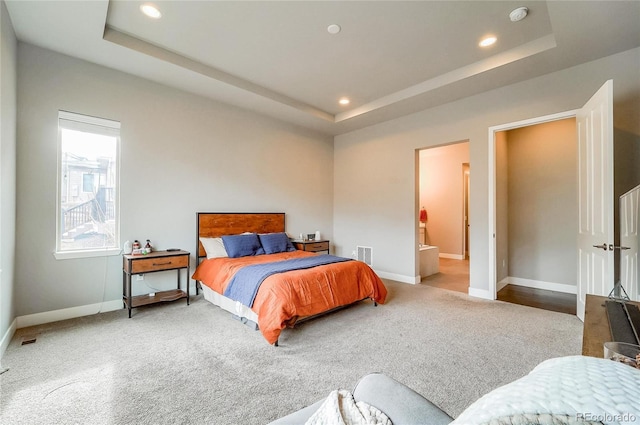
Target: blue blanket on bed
{"type": "Point", "coordinates": [245, 283]}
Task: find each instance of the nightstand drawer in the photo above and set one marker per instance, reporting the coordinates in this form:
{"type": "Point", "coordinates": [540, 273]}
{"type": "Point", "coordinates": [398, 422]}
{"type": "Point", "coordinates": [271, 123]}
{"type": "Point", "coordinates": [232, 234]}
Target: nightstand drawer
{"type": "Point", "coordinates": [311, 246]}
{"type": "Point", "coordinates": [159, 263]}
{"type": "Point", "coordinates": [317, 246]}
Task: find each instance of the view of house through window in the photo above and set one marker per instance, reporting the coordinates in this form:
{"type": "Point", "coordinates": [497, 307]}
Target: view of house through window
{"type": "Point", "coordinates": [88, 183]}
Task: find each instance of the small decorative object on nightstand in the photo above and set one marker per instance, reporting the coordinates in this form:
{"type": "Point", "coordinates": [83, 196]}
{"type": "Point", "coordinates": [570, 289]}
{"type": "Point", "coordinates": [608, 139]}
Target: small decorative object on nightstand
{"type": "Point", "coordinates": [312, 246]}
{"type": "Point", "coordinates": [156, 261]}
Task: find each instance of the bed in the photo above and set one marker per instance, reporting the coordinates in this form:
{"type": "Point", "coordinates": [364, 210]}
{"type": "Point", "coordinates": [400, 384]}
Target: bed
{"type": "Point", "coordinates": [291, 286]}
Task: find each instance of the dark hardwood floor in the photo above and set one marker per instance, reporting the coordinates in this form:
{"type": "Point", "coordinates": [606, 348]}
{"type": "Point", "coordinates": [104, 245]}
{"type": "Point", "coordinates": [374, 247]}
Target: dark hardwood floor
{"type": "Point", "coordinates": [454, 276]}
{"type": "Point", "coordinates": [539, 298]}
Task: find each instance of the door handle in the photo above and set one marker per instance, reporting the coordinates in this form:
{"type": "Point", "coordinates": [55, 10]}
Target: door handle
{"type": "Point", "coordinates": [603, 246]}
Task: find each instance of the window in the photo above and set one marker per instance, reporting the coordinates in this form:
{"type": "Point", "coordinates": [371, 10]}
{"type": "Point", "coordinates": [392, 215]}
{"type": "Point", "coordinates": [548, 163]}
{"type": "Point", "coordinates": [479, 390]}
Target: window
{"type": "Point", "coordinates": [88, 168]}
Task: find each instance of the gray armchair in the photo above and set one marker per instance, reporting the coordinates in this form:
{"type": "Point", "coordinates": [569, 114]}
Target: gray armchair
{"type": "Point", "coordinates": [400, 403]}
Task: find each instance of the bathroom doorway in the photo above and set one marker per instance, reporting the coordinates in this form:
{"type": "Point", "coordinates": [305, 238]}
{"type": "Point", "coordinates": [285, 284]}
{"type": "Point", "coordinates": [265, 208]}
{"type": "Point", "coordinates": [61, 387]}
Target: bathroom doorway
{"type": "Point", "coordinates": [443, 216]}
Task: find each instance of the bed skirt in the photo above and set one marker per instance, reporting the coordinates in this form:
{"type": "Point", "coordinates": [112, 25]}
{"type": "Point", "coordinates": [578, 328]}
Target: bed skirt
{"type": "Point", "coordinates": [237, 309]}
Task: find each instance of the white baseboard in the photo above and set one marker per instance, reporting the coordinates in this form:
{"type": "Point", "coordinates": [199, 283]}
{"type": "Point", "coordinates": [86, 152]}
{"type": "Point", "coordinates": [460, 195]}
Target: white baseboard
{"type": "Point", "coordinates": [67, 313]}
{"type": "Point", "coordinates": [452, 256]}
{"type": "Point", "coordinates": [504, 282]}
{"type": "Point", "coordinates": [481, 293]}
{"type": "Point", "coordinates": [414, 280]}
{"type": "Point", "coordinates": [6, 338]}
{"type": "Point", "coordinates": [539, 284]}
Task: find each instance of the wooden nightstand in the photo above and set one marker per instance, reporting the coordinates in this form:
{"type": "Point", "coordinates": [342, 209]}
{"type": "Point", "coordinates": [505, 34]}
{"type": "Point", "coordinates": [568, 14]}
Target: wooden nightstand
{"type": "Point", "coordinates": [158, 261]}
{"type": "Point", "coordinates": [312, 246]}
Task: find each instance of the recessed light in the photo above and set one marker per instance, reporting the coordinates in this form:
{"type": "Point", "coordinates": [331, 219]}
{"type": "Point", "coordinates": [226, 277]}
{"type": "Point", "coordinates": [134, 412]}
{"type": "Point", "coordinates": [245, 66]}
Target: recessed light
{"type": "Point", "coordinates": [344, 101]}
{"type": "Point", "coordinates": [151, 11]}
{"type": "Point", "coordinates": [333, 29]}
{"type": "Point", "coordinates": [487, 41]}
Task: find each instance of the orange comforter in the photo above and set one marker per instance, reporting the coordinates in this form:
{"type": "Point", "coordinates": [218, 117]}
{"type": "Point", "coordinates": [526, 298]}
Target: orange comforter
{"type": "Point", "coordinates": [284, 297]}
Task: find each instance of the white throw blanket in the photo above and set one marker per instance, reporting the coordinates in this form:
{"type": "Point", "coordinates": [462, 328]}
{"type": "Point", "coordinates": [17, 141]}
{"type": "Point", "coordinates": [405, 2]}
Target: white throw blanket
{"type": "Point", "coordinates": [340, 408]}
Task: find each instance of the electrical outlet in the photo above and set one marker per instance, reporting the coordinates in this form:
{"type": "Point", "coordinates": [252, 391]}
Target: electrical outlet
{"type": "Point", "coordinates": [140, 277]}
{"type": "Point", "coordinates": [353, 254]}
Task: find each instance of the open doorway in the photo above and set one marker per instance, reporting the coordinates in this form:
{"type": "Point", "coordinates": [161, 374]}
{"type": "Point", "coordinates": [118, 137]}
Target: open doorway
{"type": "Point", "coordinates": [537, 215]}
{"type": "Point", "coordinates": [602, 177]}
{"type": "Point", "coordinates": [595, 194]}
{"type": "Point", "coordinates": [443, 199]}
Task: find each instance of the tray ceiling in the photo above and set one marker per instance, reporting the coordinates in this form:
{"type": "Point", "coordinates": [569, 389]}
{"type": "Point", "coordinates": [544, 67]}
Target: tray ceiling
{"type": "Point", "coordinates": [390, 58]}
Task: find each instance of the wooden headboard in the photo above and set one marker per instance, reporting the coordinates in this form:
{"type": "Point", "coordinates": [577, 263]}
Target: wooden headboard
{"type": "Point", "coordinates": [214, 225]}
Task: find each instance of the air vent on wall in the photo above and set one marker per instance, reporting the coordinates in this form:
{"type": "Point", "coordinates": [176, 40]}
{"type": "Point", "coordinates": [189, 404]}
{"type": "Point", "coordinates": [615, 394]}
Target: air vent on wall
{"type": "Point", "coordinates": [365, 254]}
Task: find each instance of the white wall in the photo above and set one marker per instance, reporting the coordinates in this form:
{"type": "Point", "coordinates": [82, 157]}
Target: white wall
{"type": "Point", "coordinates": [375, 185]}
{"type": "Point", "coordinates": [8, 61]}
{"type": "Point", "coordinates": [442, 194]}
{"type": "Point", "coordinates": [181, 153]}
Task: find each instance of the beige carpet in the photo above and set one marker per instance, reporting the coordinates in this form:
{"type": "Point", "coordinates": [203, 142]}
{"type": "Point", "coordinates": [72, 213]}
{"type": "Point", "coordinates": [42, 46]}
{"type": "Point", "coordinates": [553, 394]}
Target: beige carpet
{"type": "Point", "coordinates": [173, 364]}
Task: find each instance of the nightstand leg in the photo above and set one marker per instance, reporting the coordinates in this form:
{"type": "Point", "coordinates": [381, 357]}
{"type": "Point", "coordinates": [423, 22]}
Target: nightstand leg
{"type": "Point", "coordinates": [129, 297]}
{"type": "Point", "coordinates": [188, 300]}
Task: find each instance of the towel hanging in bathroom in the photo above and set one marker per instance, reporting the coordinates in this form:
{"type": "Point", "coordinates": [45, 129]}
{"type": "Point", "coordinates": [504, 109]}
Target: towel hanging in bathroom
{"type": "Point", "coordinates": [423, 215]}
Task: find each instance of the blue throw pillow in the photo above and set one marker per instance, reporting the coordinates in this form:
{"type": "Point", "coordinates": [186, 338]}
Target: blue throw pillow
{"type": "Point", "coordinates": [276, 242]}
{"type": "Point", "coordinates": [242, 245]}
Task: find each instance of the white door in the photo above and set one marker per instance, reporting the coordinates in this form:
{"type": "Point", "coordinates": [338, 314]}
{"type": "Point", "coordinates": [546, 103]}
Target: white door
{"type": "Point", "coordinates": [629, 221]}
{"type": "Point", "coordinates": [595, 196]}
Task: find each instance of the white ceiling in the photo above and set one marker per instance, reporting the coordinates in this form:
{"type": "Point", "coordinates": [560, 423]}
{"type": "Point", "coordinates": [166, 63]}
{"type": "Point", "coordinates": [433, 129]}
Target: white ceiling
{"type": "Point", "coordinates": [276, 57]}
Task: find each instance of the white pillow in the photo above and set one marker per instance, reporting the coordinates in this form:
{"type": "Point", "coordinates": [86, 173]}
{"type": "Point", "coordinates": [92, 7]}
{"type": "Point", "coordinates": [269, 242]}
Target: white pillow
{"type": "Point", "coordinates": [214, 247]}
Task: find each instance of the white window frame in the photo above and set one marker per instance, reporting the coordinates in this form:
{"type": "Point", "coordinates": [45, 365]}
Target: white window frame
{"type": "Point", "coordinates": [89, 124]}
